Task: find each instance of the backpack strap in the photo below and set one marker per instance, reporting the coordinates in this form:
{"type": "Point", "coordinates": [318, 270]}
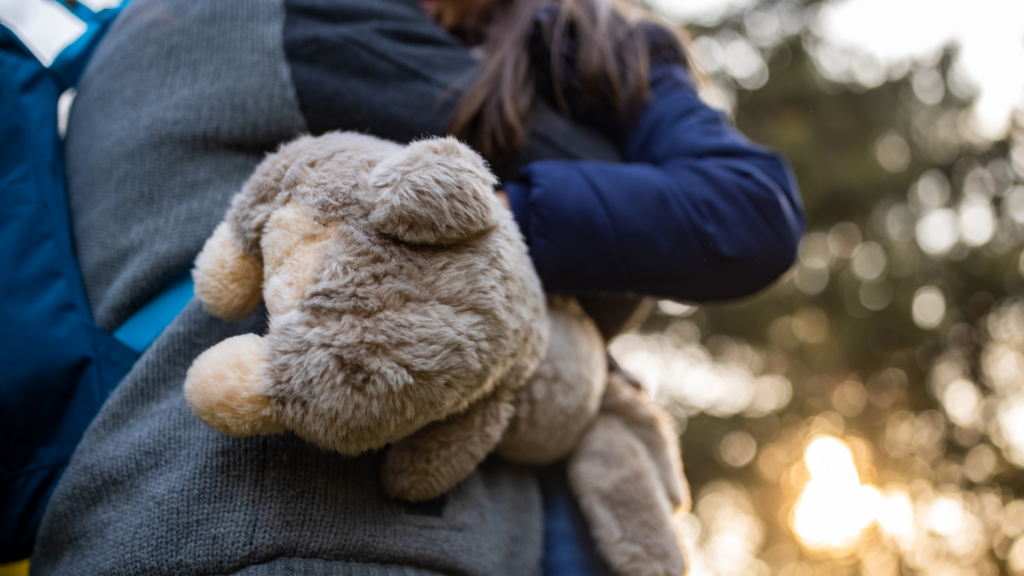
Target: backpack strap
{"type": "Point", "coordinates": [143, 327]}
{"type": "Point", "coordinates": [59, 367]}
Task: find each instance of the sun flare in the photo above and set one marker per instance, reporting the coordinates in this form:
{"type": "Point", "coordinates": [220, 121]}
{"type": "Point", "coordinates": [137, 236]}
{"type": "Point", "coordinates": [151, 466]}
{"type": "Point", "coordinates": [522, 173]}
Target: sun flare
{"type": "Point", "coordinates": [834, 507]}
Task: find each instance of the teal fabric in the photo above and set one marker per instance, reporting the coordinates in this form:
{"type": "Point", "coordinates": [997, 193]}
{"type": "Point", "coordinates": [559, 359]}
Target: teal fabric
{"type": "Point", "coordinates": [142, 328]}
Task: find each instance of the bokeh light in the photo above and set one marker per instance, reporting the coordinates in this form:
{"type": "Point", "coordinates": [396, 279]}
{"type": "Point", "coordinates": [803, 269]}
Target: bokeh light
{"type": "Point", "coordinates": [929, 307]}
{"type": "Point", "coordinates": [834, 508]}
{"type": "Point", "coordinates": [866, 414]}
{"type": "Point", "coordinates": [869, 261]}
{"type": "Point", "coordinates": [977, 220]}
{"type": "Point", "coordinates": [893, 151]}
{"type": "Point", "coordinates": [683, 375]}
{"type": "Point", "coordinates": [938, 231]}
{"type": "Point", "coordinates": [738, 448]}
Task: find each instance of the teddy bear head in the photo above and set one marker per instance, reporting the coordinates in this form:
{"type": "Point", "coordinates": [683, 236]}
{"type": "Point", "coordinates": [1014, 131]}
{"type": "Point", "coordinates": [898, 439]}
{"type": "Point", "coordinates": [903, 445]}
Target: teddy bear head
{"type": "Point", "coordinates": [398, 291]}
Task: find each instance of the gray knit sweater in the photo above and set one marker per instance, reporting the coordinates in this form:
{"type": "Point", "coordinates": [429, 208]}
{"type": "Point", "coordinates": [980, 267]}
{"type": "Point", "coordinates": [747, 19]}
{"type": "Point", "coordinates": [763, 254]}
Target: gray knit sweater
{"type": "Point", "coordinates": [179, 104]}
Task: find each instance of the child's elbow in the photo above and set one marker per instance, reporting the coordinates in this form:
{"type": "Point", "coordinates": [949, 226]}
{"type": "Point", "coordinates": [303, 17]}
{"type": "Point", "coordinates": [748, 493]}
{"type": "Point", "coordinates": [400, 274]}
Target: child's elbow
{"type": "Point", "coordinates": [761, 254]}
{"type": "Point", "coordinates": [777, 251]}
{"type": "Point", "coordinates": [774, 240]}
{"type": "Point", "coordinates": [787, 248]}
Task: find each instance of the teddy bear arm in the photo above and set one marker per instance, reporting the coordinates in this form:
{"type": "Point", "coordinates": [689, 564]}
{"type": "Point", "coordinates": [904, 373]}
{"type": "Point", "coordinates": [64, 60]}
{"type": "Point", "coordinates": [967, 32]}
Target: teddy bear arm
{"type": "Point", "coordinates": [223, 388]}
{"type": "Point", "coordinates": [653, 428]}
{"type": "Point", "coordinates": [620, 494]}
{"type": "Point", "coordinates": [227, 278]}
{"type": "Point", "coordinates": [434, 459]}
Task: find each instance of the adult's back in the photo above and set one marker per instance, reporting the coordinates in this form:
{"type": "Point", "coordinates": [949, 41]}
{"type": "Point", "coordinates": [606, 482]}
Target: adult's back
{"type": "Point", "coordinates": [178, 105]}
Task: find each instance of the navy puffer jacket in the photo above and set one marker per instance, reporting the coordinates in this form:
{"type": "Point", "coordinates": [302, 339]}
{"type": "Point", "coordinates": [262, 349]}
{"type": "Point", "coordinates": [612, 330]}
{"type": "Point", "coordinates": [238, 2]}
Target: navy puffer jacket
{"type": "Point", "coordinates": [696, 212]}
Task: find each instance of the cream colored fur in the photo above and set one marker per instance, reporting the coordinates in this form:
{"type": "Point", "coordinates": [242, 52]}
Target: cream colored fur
{"type": "Point", "coordinates": [223, 386]}
{"type": "Point", "coordinates": [404, 310]}
{"type": "Point", "coordinates": [227, 279]}
{"type": "Point", "coordinates": [292, 244]}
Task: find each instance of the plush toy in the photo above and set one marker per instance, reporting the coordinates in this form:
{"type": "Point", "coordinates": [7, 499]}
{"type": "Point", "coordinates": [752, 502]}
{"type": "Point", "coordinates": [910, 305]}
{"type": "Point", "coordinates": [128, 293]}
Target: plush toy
{"type": "Point", "coordinates": [404, 311]}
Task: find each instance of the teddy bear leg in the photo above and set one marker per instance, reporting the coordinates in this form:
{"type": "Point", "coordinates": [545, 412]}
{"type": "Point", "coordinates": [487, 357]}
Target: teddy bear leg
{"type": "Point", "coordinates": [562, 397]}
{"type": "Point", "coordinates": [628, 488]}
{"type": "Point", "coordinates": [653, 428]}
{"type": "Point", "coordinates": [223, 388]}
{"type": "Point", "coordinates": [434, 459]}
{"type": "Point", "coordinates": [619, 494]}
{"type": "Point", "coordinates": [227, 278]}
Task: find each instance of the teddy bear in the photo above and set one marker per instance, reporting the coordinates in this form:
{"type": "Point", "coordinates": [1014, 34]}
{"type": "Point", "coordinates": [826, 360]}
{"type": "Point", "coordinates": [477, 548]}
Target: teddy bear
{"type": "Point", "coordinates": [404, 312]}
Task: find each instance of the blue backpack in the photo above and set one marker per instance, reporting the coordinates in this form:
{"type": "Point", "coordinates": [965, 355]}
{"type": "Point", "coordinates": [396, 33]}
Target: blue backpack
{"type": "Point", "coordinates": [56, 366]}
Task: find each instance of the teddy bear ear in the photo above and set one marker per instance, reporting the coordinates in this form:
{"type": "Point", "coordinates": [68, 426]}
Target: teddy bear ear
{"type": "Point", "coordinates": [436, 191]}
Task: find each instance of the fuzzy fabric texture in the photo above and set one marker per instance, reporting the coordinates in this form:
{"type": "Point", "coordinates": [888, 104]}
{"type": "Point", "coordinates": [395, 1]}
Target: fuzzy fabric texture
{"type": "Point", "coordinates": [562, 398]}
{"type": "Point", "coordinates": [628, 479]}
{"type": "Point", "coordinates": [431, 461]}
{"type": "Point", "coordinates": [404, 310]}
{"type": "Point", "coordinates": [227, 279]}
{"type": "Point", "coordinates": [180, 103]}
{"type": "Point", "coordinates": [224, 388]}
{"type": "Point", "coordinates": [399, 291]}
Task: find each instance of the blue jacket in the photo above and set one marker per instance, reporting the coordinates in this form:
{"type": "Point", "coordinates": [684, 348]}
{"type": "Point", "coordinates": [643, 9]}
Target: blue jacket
{"type": "Point", "coordinates": [697, 212]}
{"type": "Point", "coordinates": [58, 366]}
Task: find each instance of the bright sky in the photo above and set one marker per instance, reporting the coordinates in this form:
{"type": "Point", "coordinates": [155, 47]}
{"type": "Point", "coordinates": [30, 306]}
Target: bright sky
{"type": "Point", "coordinates": [990, 32]}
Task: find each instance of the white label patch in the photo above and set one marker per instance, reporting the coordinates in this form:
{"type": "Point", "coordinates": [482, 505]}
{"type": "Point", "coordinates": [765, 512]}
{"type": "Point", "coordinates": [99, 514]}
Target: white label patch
{"type": "Point", "coordinates": [45, 26]}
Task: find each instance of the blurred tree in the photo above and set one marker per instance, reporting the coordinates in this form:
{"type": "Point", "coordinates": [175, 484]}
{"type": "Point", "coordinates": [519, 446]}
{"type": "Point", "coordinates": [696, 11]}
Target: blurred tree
{"type": "Point", "coordinates": [898, 330]}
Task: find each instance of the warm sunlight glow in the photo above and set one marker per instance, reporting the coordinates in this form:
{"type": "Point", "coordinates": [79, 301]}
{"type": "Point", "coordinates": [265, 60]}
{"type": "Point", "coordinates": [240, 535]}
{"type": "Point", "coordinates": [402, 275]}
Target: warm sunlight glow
{"type": "Point", "coordinates": [834, 508]}
{"type": "Point", "coordinates": [896, 516]}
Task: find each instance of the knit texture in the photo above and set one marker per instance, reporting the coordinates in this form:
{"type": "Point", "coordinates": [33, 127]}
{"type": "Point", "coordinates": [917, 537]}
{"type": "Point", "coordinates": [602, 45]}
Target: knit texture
{"type": "Point", "coordinates": [151, 490]}
{"type": "Point", "coordinates": [179, 104]}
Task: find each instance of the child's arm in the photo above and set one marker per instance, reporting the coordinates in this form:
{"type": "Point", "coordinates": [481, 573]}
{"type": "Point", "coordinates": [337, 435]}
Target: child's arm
{"type": "Point", "coordinates": [698, 213]}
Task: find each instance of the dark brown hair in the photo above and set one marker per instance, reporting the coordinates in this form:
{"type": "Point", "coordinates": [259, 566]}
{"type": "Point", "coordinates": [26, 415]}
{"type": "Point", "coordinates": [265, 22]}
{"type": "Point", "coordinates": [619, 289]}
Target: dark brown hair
{"type": "Point", "coordinates": [611, 61]}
